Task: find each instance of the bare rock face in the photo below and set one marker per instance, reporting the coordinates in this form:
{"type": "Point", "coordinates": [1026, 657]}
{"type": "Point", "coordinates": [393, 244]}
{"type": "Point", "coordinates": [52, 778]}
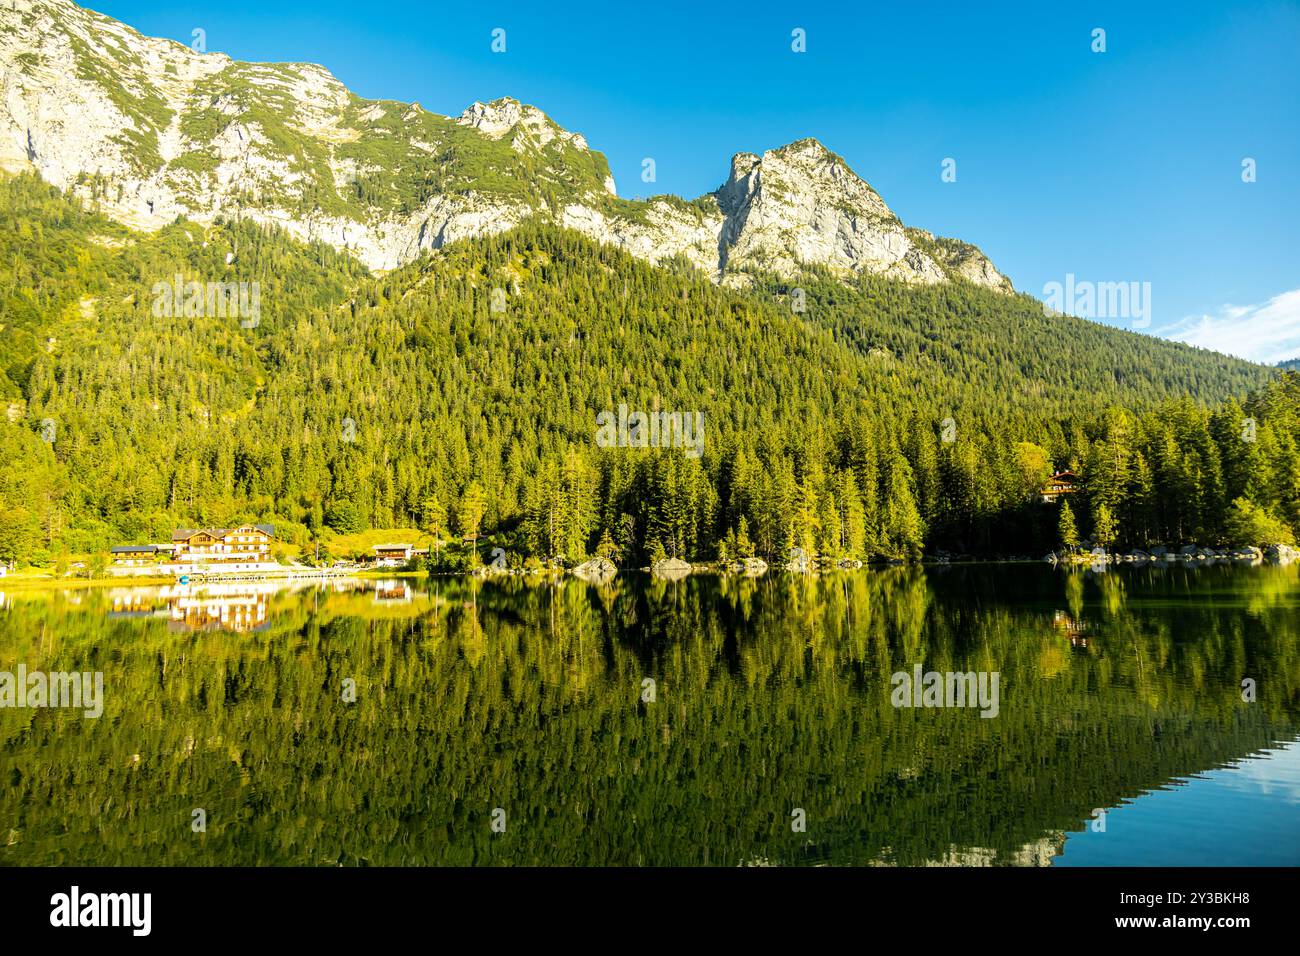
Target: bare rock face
{"type": "Point", "coordinates": [801, 204]}
{"type": "Point", "coordinates": [151, 129]}
{"type": "Point", "coordinates": [656, 230]}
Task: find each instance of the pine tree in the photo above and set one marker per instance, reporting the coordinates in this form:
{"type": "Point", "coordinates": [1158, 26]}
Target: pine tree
{"type": "Point", "coordinates": [1104, 527]}
{"type": "Point", "coordinates": [854, 517]}
{"type": "Point", "coordinates": [434, 517]}
{"type": "Point", "coordinates": [744, 547]}
{"type": "Point", "coordinates": [904, 530]}
{"type": "Point", "coordinates": [607, 549]}
{"type": "Point", "coordinates": [1067, 532]}
{"type": "Point", "coordinates": [469, 516]}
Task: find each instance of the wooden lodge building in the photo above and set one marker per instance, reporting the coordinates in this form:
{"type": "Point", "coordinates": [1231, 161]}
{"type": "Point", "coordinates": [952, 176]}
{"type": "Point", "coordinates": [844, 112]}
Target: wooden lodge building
{"type": "Point", "coordinates": [394, 555]}
{"type": "Point", "coordinates": [246, 544]}
{"type": "Point", "coordinates": [136, 555]}
{"type": "Point", "coordinates": [210, 550]}
{"type": "Point", "coordinates": [1061, 483]}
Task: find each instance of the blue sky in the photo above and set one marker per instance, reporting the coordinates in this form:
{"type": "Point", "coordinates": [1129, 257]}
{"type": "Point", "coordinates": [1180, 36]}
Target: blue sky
{"type": "Point", "coordinates": [1122, 166]}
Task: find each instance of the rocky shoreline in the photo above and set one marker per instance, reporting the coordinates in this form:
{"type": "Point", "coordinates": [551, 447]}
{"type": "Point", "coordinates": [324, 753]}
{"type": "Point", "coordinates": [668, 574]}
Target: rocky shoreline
{"type": "Point", "coordinates": [600, 570]}
{"type": "Point", "coordinates": [1277, 554]}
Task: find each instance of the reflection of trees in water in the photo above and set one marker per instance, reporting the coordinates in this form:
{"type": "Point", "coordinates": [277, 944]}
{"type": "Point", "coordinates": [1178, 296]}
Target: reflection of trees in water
{"type": "Point", "coordinates": [772, 693]}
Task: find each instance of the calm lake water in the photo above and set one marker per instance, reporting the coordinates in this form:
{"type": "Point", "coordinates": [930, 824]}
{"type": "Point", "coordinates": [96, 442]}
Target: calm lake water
{"type": "Point", "coordinates": [652, 722]}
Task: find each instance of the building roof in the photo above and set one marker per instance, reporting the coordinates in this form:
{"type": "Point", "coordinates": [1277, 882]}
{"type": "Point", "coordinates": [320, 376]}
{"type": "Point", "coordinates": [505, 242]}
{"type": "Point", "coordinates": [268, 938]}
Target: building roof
{"type": "Point", "coordinates": [184, 534]}
{"type": "Point", "coordinates": [133, 549]}
{"type": "Point", "coordinates": [392, 547]}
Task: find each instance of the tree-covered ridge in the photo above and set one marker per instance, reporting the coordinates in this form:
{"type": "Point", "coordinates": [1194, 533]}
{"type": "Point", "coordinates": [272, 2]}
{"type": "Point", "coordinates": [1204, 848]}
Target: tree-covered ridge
{"type": "Point", "coordinates": [472, 380]}
{"type": "Point", "coordinates": [1014, 350]}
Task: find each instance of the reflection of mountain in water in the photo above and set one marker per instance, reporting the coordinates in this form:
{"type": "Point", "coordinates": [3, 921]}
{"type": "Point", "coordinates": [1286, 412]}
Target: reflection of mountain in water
{"type": "Point", "coordinates": [771, 694]}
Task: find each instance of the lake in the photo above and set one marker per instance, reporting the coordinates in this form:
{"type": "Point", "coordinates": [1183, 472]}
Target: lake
{"type": "Point", "coordinates": [708, 721]}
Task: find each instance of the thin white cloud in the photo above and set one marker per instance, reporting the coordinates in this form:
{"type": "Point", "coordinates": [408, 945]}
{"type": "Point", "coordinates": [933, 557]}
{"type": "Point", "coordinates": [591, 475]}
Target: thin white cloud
{"type": "Point", "coordinates": [1267, 333]}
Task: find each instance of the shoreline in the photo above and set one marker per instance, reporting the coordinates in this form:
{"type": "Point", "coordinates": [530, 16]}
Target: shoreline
{"type": "Point", "coordinates": [23, 581]}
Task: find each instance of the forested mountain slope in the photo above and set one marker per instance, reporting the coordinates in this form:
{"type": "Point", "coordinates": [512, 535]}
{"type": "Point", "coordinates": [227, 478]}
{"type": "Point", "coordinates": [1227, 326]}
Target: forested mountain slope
{"type": "Point", "coordinates": [882, 418]}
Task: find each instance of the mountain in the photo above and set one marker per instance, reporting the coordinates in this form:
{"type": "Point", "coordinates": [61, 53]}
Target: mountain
{"type": "Point", "coordinates": [862, 388]}
{"type": "Point", "coordinates": [151, 130]}
{"type": "Point", "coordinates": [886, 417]}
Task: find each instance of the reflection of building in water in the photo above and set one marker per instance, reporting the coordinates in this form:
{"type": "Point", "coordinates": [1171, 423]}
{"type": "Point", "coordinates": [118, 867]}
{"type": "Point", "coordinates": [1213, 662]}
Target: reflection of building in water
{"type": "Point", "coordinates": [392, 591]}
{"type": "Point", "coordinates": [1074, 629]}
{"type": "Point", "coordinates": [133, 603]}
{"type": "Point", "coordinates": [1040, 852]}
{"type": "Point", "coordinates": [219, 609]}
{"type": "Point", "coordinates": [215, 606]}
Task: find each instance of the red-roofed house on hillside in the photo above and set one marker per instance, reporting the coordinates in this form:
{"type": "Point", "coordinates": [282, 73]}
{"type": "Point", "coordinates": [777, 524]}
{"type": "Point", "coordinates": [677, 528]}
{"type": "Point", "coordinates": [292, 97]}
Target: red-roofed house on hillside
{"type": "Point", "coordinates": [1061, 483]}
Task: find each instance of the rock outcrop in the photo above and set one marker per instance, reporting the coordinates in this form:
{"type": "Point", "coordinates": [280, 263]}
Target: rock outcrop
{"type": "Point", "coordinates": [1282, 554]}
{"type": "Point", "coordinates": [749, 566]}
{"type": "Point", "coordinates": [595, 569]}
{"type": "Point", "coordinates": [673, 569]}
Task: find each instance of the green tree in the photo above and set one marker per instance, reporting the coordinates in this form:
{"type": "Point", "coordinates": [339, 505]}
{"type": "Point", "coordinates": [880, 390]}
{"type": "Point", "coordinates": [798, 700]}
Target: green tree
{"type": "Point", "coordinates": [434, 516]}
{"type": "Point", "coordinates": [1033, 467]}
{"type": "Point", "coordinates": [1249, 524]}
{"type": "Point", "coordinates": [1104, 527]}
{"type": "Point", "coordinates": [345, 517]}
{"type": "Point", "coordinates": [607, 549]}
{"type": "Point", "coordinates": [904, 529]}
{"type": "Point", "coordinates": [1067, 532]}
{"type": "Point", "coordinates": [744, 547]}
{"type": "Point", "coordinates": [854, 521]}
{"type": "Point", "coordinates": [469, 516]}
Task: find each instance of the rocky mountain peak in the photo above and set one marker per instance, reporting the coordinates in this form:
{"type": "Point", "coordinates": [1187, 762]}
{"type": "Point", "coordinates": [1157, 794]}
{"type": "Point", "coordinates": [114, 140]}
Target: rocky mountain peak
{"type": "Point", "coordinates": [530, 126]}
{"type": "Point", "coordinates": [807, 169]}
{"type": "Point", "coordinates": [150, 129]}
{"type": "Point", "coordinates": [801, 204]}
{"type": "Point", "coordinates": [496, 118]}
